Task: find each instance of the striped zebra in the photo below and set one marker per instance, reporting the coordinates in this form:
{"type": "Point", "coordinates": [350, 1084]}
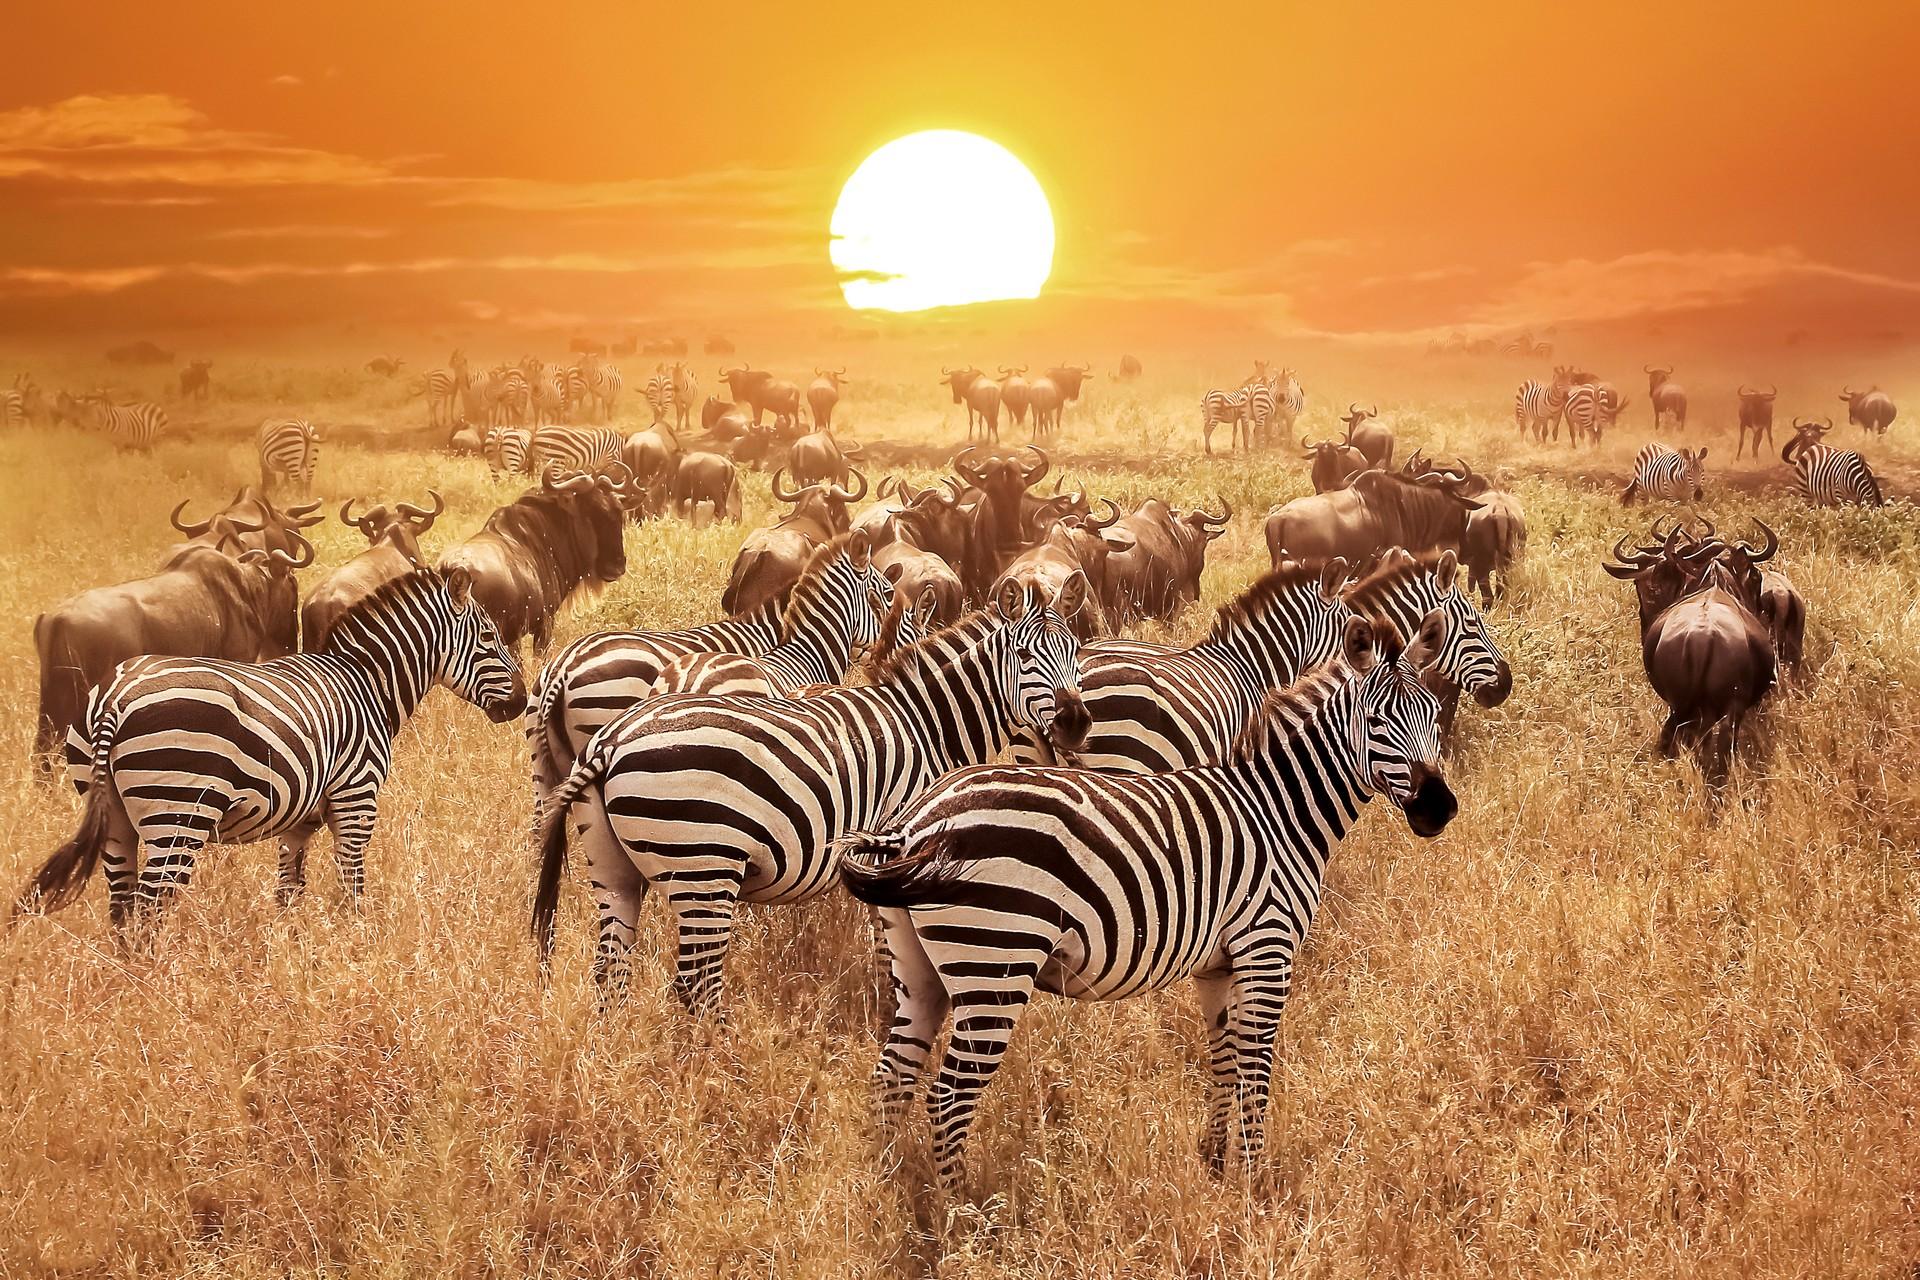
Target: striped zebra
{"type": "Point", "coordinates": [1156, 709]}
{"type": "Point", "coordinates": [1222, 406]}
{"type": "Point", "coordinates": [999, 882]}
{"type": "Point", "coordinates": [1826, 476]}
{"type": "Point", "coordinates": [1591, 407]}
{"type": "Point", "coordinates": [686, 394]}
{"type": "Point", "coordinates": [837, 608]}
{"type": "Point", "coordinates": [719, 800]}
{"type": "Point", "coordinates": [547, 389]}
{"type": "Point", "coordinates": [443, 387]}
{"type": "Point", "coordinates": [509, 396]}
{"type": "Point", "coordinates": [1538, 404]}
{"type": "Point", "coordinates": [129, 426]}
{"type": "Point", "coordinates": [660, 395]}
{"type": "Point", "coordinates": [601, 383]}
{"type": "Point", "coordinates": [190, 751]}
{"type": "Point", "coordinates": [1261, 398]}
{"type": "Point", "coordinates": [289, 451]}
{"type": "Point", "coordinates": [508, 451]}
{"type": "Point", "coordinates": [1288, 403]}
{"type": "Point", "coordinates": [574, 448]}
{"type": "Point", "coordinates": [13, 407]}
{"type": "Point", "coordinates": [1660, 474]}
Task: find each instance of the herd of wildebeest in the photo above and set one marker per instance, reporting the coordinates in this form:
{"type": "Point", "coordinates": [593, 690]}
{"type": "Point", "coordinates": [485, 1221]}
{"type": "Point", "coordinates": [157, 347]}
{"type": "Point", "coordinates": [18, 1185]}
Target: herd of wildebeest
{"type": "Point", "coordinates": [1167, 812]}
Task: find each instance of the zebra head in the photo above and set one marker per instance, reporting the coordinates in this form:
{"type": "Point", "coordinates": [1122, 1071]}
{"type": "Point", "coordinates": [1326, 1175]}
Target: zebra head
{"type": "Point", "coordinates": [1693, 473]}
{"type": "Point", "coordinates": [474, 661]}
{"type": "Point", "coordinates": [1398, 729]}
{"type": "Point", "coordinates": [873, 588]}
{"type": "Point", "coordinates": [1039, 672]}
{"type": "Point", "coordinates": [1469, 658]}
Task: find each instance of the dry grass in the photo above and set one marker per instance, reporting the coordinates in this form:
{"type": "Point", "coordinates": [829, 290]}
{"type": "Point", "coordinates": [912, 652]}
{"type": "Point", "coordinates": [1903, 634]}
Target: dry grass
{"type": "Point", "coordinates": [1587, 1032]}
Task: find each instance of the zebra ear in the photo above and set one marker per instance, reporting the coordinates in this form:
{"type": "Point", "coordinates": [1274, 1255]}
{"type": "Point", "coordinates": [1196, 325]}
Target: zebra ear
{"type": "Point", "coordinates": [1073, 595]}
{"type": "Point", "coordinates": [928, 604]}
{"type": "Point", "coordinates": [1359, 645]}
{"type": "Point", "coordinates": [1702, 455]}
{"type": "Point", "coordinates": [1010, 602]}
{"type": "Point", "coordinates": [1333, 578]}
{"type": "Point", "coordinates": [459, 587]}
{"type": "Point", "coordinates": [1446, 571]}
{"type": "Point", "coordinates": [1425, 648]}
{"type": "Point", "coordinates": [859, 549]}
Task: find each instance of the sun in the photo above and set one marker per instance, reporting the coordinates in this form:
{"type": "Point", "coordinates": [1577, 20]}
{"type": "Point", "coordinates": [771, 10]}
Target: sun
{"type": "Point", "coordinates": [940, 219]}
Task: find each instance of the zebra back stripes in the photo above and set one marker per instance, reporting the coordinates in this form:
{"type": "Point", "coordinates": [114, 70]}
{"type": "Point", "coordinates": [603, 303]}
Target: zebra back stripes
{"type": "Point", "coordinates": [660, 395]}
{"type": "Point", "coordinates": [1590, 409]}
{"type": "Point", "coordinates": [13, 407]}
{"type": "Point", "coordinates": [289, 451]}
{"type": "Point", "coordinates": [716, 800]}
{"type": "Point", "coordinates": [508, 450]}
{"type": "Point", "coordinates": [1222, 406]}
{"type": "Point", "coordinates": [1536, 405]}
{"type": "Point", "coordinates": [574, 448]}
{"type": "Point", "coordinates": [1000, 882]}
{"type": "Point", "coordinates": [191, 751]}
{"type": "Point", "coordinates": [1829, 477]}
{"type": "Point", "coordinates": [1662, 474]}
{"type": "Point", "coordinates": [132, 426]}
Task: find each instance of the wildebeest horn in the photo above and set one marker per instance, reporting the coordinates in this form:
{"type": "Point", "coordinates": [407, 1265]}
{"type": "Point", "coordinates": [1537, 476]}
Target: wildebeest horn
{"type": "Point", "coordinates": [781, 493]}
{"type": "Point", "coordinates": [946, 372]}
{"type": "Point", "coordinates": [1113, 516]}
{"type": "Point", "coordinates": [1033, 476]}
{"type": "Point", "coordinates": [887, 484]}
{"type": "Point", "coordinates": [968, 469]}
{"type": "Point", "coordinates": [305, 515]}
{"type": "Point", "coordinates": [1655, 369]}
{"type": "Point", "coordinates": [347, 516]}
{"type": "Point", "coordinates": [279, 557]}
{"type": "Point", "coordinates": [843, 494]}
{"type": "Point", "coordinates": [1847, 392]}
{"type": "Point", "coordinates": [415, 513]}
{"type": "Point", "coordinates": [1353, 410]}
{"type": "Point", "coordinates": [191, 530]}
{"type": "Point", "coordinates": [1636, 558]}
{"type": "Point", "coordinates": [1307, 447]}
{"type": "Point", "coordinates": [1226, 513]}
{"type": "Point", "coordinates": [1756, 555]}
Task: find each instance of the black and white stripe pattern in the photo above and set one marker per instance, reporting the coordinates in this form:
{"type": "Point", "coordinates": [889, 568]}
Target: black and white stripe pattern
{"type": "Point", "coordinates": [508, 450]}
{"type": "Point", "coordinates": [1000, 882]}
{"type": "Point", "coordinates": [601, 383]}
{"type": "Point", "coordinates": [660, 396]}
{"type": "Point", "coordinates": [130, 426]}
{"type": "Point", "coordinates": [1830, 477]}
{"type": "Point", "coordinates": [686, 394]}
{"type": "Point", "coordinates": [1536, 405]}
{"type": "Point", "coordinates": [13, 407]}
{"type": "Point", "coordinates": [1261, 398]}
{"type": "Point", "coordinates": [1155, 710]}
{"type": "Point", "coordinates": [185, 752]}
{"type": "Point", "coordinates": [574, 448]}
{"type": "Point", "coordinates": [1661, 474]}
{"type": "Point", "coordinates": [442, 388]}
{"type": "Point", "coordinates": [1590, 409]}
{"type": "Point", "coordinates": [289, 451]}
{"type": "Point", "coordinates": [509, 397]}
{"type": "Point", "coordinates": [1222, 406]}
{"type": "Point", "coordinates": [718, 800]}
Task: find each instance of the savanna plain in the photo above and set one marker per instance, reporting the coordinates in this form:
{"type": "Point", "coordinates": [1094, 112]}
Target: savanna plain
{"type": "Point", "coordinates": [1593, 1029]}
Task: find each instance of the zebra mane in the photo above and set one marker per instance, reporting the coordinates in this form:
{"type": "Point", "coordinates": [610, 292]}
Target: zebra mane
{"type": "Point", "coordinates": [1284, 713]}
{"type": "Point", "coordinates": [379, 601]}
{"type": "Point", "coordinates": [1267, 588]}
{"type": "Point", "coordinates": [1364, 594]}
{"type": "Point", "coordinates": [930, 648]}
{"type": "Point", "coordinates": [808, 585]}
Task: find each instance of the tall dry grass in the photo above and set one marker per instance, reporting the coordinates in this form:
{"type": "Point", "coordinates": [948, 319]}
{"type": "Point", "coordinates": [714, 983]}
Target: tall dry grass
{"type": "Point", "coordinates": [1589, 1031]}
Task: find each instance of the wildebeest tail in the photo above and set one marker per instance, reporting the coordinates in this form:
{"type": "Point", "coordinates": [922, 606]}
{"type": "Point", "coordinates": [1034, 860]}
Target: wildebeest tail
{"type": "Point", "coordinates": [64, 875]}
{"type": "Point", "coordinates": [877, 869]}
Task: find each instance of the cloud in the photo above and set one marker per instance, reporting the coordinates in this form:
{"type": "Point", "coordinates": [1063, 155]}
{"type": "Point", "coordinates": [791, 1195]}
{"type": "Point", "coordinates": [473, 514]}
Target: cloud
{"type": "Point", "coordinates": [743, 190]}
{"type": "Point", "coordinates": [1427, 275]}
{"type": "Point", "coordinates": [156, 137]}
{"type": "Point", "coordinates": [287, 81]}
{"type": "Point", "coordinates": [300, 232]}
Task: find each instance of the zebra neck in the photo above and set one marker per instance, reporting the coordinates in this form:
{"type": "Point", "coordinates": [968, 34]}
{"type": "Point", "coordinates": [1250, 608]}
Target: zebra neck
{"type": "Point", "coordinates": [400, 676]}
{"type": "Point", "coordinates": [819, 653]}
{"type": "Point", "coordinates": [1307, 774]}
{"type": "Point", "coordinates": [952, 697]}
{"type": "Point", "coordinates": [1268, 652]}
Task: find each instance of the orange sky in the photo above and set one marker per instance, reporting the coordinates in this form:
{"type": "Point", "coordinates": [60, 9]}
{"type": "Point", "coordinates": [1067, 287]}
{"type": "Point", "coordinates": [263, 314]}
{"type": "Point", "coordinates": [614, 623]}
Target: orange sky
{"type": "Point", "coordinates": [1367, 171]}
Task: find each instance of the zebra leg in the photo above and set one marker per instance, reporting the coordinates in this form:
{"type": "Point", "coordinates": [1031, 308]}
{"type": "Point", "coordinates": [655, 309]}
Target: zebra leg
{"type": "Point", "coordinates": [985, 1012]}
{"type": "Point", "coordinates": [619, 889]}
{"type": "Point", "coordinates": [121, 857]}
{"type": "Point", "coordinates": [920, 1007]}
{"type": "Point", "coordinates": [1216, 993]}
{"type": "Point", "coordinates": [704, 911]}
{"type": "Point", "coordinates": [293, 862]}
{"type": "Point", "coordinates": [1259, 994]}
{"type": "Point", "coordinates": [166, 869]}
{"type": "Point", "coordinates": [351, 820]}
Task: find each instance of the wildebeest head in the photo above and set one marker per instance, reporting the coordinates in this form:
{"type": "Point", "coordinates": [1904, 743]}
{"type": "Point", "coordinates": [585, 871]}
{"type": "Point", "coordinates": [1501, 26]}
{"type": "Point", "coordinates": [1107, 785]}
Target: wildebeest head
{"type": "Point", "coordinates": [1805, 436]}
{"type": "Point", "coordinates": [1002, 476]}
{"type": "Point", "coordinates": [281, 618]}
{"type": "Point", "coordinates": [1656, 377]}
{"type": "Point", "coordinates": [597, 501]}
{"type": "Point", "coordinates": [1664, 569]}
{"type": "Point", "coordinates": [1193, 529]}
{"type": "Point", "coordinates": [960, 381]}
{"type": "Point", "coordinates": [820, 503]}
{"type": "Point", "coordinates": [743, 382]}
{"type": "Point", "coordinates": [1334, 463]}
{"type": "Point", "coordinates": [1068, 378]}
{"type": "Point", "coordinates": [1355, 415]}
{"type": "Point", "coordinates": [1400, 741]}
{"type": "Point", "coordinates": [399, 527]}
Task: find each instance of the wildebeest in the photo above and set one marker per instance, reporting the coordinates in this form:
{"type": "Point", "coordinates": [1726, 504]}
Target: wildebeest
{"type": "Point", "coordinates": [1074, 544]}
{"type": "Point", "coordinates": [772, 559]}
{"type": "Point", "coordinates": [920, 575]}
{"type": "Point", "coordinates": [1378, 510]}
{"type": "Point", "coordinates": [819, 456]}
{"type": "Point", "coordinates": [393, 551]}
{"type": "Point", "coordinates": [141, 352]}
{"type": "Point", "coordinates": [196, 380]}
{"type": "Point", "coordinates": [1495, 538]}
{"type": "Point", "coordinates": [691, 479]}
{"type": "Point", "coordinates": [1069, 378]}
{"type": "Point", "coordinates": [385, 366]}
{"type": "Point", "coordinates": [649, 452]}
{"type": "Point", "coordinates": [1333, 464]}
{"type": "Point", "coordinates": [1373, 438]}
{"type": "Point", "coordinates": [207, 601]}
{"type": "Point", "coordinates": [981, 395]}
{"type": "Point", "coordinates": [251, 522]}
{"type": "Point", "coordinates": [1666, 396]}
{"type": "Point", "coordinates": [745, 384]}
{"type": "Point", "coordinates": [997, 530]}
{"type": "Point", "coordinates": [1129, 369]}
{"type": "Point", "coordinates": [1871, 410]}
{"type": "Point", "coordinates": [1159, 575]}
{"type": "Point", "coordinates": [534, 553]}
{"type": "Point", "coordinates": [823, 393]}
{"type": "Point", "coordinates": [1015, 392]}
{"type": "Point", "coordinates": [1756, 415]}
{"type": "Point", "coordinates": [716, 345]}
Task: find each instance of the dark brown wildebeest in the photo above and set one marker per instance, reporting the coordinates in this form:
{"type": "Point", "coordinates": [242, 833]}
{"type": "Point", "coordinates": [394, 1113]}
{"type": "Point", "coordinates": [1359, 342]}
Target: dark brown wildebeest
{"type": "Point", "coordinates": [713, 409]}
{"type": "Point", "coordinates": [1756, 415]}
{"type": "Point", "coordinates": [1015, 391]}
{"type": "Point", "coordinates": [203, 603]}
{"type": "Point", "coordinates": [936, 520]}
{"type": "Point", "coordinates": [823, 393]}
{"type": "Point", "coordinates": [695, 478]}
{"type": "Point", "coordinates": [997, 530]}
{"type": "Point", "coordinates": [534, 553]}
{"type": "Point", "coordinates": [252, 523]}
{"type": "Point", "coordinates": [385, 366]}
{"type": "Point", "coordinates": [819, 456]}
{"type": "Point", "coordinates": [1373, 438]}
{"type": "Point", "coordinates": [1160, 574]}
{"type": "Point", "coordinates": [196, 380]}
{"type": "Point", "coordinates": [1073, 545]}
{"type": "Point", "coordinates": [1129, 369]}
{"type": "Point", "coordinates": [744, 384]}
{"type": "Point", "coordinates": [918, 574]}
{"type": "Point", "coordinates": [772, 559]}
{"type": "Point", "coordinates": [1870, 410]}
{"type": "Point", "coordinates": [780, 398]}
{"type": "Point", "coordinates": [393, 551]}
{"type": "Point", "coordinates": [1666, 396]}
{"type": "Point", "coordinates": [1495, 538]}
{"type": "Point", "coordinates": [1334, 463]}
{"type": "Point", "coordinates": [649, 452]}
{"type": "Point", "coordinates": [1379, 509]}
{"type": "Point", "coordinates": [1045, 397]}
{"type": "Point", "coordinates": [980, 394]}
{"type": "Point", "coordinates": [1069, 378]}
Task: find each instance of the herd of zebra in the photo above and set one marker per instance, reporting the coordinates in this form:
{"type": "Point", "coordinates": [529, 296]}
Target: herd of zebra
{"type": "Point", "coordinates": [531, 392]}
{"type": "Point", "coordinates": [138, 425]}
{"type": "Point", "coordinates": [1264, 406]}
{"type": "Point", "coordinates": [1157, 813]}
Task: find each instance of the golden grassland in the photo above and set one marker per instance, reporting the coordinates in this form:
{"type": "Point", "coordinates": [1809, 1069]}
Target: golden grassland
{"type": "Point", "coordinates": [1591, 1030]}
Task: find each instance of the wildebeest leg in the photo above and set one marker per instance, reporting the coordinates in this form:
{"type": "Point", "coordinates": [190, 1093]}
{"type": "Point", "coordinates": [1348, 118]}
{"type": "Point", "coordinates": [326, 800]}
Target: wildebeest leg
{"type": "Point", "coordinates": [1670, 732]}
{"type": "Point", "coordinates": [293, 862]}
{"type": "Point", "coordinates": [350, 815]}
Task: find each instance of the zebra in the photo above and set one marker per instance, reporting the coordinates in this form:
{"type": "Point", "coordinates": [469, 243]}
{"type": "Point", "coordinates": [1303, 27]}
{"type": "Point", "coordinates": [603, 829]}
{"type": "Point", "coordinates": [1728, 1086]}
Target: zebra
{"type": "Point", "coordinates": [1002, 881]}
{"type": "Point", "coordinates": [13, 407]}
{"type": "Point", "coordinates": [1663, 475]}
{"type": "Point", "coordinates": [602, 382]}
{"type": "Point", "coordinates": [184, 752]}
{"type": "Point", "coordinates": [1590, 408]}
{"type": "Point", "coordinates": [289, 450]}
{"type": "Point", "coordinates": [507, 450]}
{"type": "Point", "coordinates": [1826, 476]}
{"type": "Point", "coordinates": [716, 800]}
{"type": "Point", "coordinates": [660, 395]}
{"type": "Point", "coordinates": [1537, 404]}
{"type": "Point", "coordinates": [442, 387]}
{"type": "Point", "coordinates": [574, 448]}
{"type": "Point", "coordinates": [1261, 397]}
{"type": "Point", "coordinates": [1222, 406]}
{"type": "Point", "coordinates": [1289, 400]}
{"type": "Point", "coordinates": [837, 608]}
{"type": "Point", "coordinates": [686, 393]}
{"type": "Point", "coordinates": [131, 426]}
{"type": "Point", "coordinates": [1156, 709]}
{"type": "Point", "coordinates": [509, 396]}
{"type": "Point", "coordinates": [548, 388]}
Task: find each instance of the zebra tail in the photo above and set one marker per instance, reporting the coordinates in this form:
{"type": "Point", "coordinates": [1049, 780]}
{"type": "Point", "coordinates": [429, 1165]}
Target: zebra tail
{"type": "Point", "coordinates": [552, 839]}
{"type": "Point", "coordinates": [64, 875]}
{"type": "Point", "coordinates": [876, 868]}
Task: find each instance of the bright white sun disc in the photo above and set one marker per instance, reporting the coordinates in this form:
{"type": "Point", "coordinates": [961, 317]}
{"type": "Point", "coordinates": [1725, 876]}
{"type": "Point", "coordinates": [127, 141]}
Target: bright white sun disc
{"type": "Point", "coordinates": [939, 219]}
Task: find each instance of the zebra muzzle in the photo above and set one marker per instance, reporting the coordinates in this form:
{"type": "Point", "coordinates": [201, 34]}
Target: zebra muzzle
{"type": "Point", "coordinates": [1072, 723]}
{"type": "Point", "coordinates": [1432, 806]}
